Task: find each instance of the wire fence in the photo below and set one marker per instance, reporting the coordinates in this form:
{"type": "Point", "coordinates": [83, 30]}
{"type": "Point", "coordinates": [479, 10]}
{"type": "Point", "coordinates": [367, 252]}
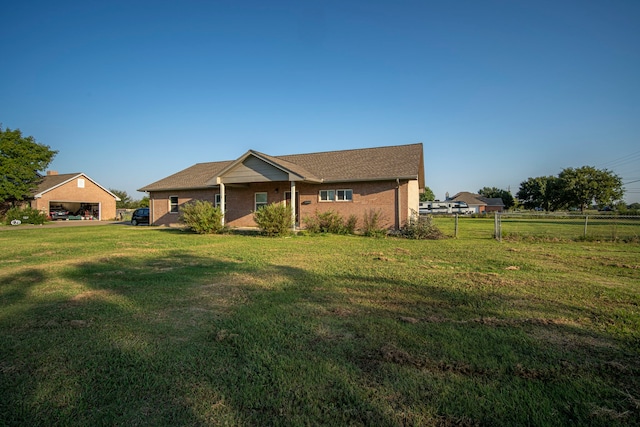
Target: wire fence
{"type": "Point", "coordinates": [550, 226]}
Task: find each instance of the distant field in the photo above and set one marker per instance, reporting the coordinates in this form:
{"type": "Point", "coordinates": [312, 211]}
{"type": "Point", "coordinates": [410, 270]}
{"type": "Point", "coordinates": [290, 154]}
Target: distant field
{"type": "Point", "coordinates": [546, 227]}
{"type": "Point", "coordinates": [121, 325]}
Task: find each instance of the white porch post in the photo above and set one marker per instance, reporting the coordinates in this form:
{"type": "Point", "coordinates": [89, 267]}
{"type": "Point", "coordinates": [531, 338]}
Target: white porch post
{"type": "Point", "coordinates": [222, 201]}
{"type": "Point", "coordinates": [293, 205]}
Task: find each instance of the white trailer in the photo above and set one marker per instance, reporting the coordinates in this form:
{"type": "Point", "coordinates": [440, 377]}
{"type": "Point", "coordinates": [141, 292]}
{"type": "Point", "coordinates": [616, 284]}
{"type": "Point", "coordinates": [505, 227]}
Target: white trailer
{"type": "Point", "coordinates": [446, 207]}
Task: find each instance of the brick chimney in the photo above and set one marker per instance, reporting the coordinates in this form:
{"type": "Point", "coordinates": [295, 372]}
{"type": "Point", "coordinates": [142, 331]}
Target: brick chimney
{"type": "Point", "coordinates": [52, 173]}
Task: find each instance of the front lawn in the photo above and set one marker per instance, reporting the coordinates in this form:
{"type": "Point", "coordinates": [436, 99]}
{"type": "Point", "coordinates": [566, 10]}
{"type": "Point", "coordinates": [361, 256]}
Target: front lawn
{"type": "Point", "coordinates": [121, 325]}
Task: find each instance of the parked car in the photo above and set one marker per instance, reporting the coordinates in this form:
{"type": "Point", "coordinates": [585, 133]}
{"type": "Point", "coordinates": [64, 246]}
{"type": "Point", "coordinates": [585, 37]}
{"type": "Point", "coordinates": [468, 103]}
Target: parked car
{"type": "Point", "coordinates": [59, 214]}
{"type": "Point", "coordinates": [140, 216]}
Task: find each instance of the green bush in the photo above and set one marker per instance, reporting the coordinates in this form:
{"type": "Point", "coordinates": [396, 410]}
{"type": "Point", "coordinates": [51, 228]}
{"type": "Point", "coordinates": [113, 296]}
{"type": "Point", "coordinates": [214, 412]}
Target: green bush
{"type": "Point", "coordinates": [274, 219]}
{"type": "Point", "coordinates": [372, 223]}
{"type": "Point", "coordinates": [202, 217]}
{"type": "Point", "coordinates": [351, 224]}
{"type": "Point", "coordinates": [26, 215]}
{"type": "Point", "coordinates": [421, 227]}
{"type": "Point", "coordinates": [330, 222]}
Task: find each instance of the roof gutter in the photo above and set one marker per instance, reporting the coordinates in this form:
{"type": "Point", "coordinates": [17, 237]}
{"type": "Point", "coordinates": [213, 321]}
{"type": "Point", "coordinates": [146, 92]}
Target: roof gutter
{"type": "Point", "coordinates": [392, 178]}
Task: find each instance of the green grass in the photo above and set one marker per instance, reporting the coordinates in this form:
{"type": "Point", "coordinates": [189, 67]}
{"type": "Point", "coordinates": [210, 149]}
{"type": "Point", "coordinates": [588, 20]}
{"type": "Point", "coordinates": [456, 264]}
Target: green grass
{"type": "Point", "coordinates": [120, 325]}
{"type": "Point", "coordinates": [545, 227]}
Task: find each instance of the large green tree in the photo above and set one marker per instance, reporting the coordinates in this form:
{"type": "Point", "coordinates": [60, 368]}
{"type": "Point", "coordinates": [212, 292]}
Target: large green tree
{"type": "Point", "coordinates": [542, 192]}
{"type": "Point", "coordinates": [21, 158]}
{"type": "Point", "coordinates": [577, 188]}
{"type": "Point", "coordinates": [427, 195]}
{"type": "Point", "coordinates": [583, 186]}
{"type": "Point", "coordinates": [126, 201]}
{"type": "Point", "coordinates": [496, 193]}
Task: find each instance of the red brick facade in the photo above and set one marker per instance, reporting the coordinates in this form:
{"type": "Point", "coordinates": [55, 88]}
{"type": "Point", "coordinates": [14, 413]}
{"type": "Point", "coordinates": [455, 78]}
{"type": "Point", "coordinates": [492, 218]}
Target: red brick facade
{"type": "Point", "coordinates": [394, 200]}
{"type": "Point", "coordinates": [384, 180]}
{"type": "Point", "coordinates": [77, 191]}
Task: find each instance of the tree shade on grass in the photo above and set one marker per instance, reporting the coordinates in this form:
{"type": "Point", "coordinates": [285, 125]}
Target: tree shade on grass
{"type": "Point", "coordinates": [155, 326]}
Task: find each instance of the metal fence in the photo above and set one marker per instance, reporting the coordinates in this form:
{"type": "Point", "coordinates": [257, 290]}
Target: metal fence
{"type": "Point", "coordinates": [550, 226]}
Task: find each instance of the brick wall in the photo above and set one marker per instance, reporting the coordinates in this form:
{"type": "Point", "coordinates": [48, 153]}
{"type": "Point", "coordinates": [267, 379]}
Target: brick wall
{"type": "Point", "coordinates": [159, 204]}
{"type": "Point", "coordinates": [376, 195]}
{"type": "Point", "coordinates": [72, 193]}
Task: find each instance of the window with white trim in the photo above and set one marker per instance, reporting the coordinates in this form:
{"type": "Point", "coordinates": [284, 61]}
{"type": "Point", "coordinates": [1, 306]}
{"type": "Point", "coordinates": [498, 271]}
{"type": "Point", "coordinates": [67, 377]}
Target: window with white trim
{"type": "Point", "coordinates": [344, 195]}
{"type": "Point", "coordinates": [216, 203]}
{"type": "Point", "coordinates": [261, 200]}
{"type": "Point", "coordinates": [327, 195]}
{"type": "Point", "coordinates": [80, 182]}
{"type": "Point", "coordinates": [173, 204]}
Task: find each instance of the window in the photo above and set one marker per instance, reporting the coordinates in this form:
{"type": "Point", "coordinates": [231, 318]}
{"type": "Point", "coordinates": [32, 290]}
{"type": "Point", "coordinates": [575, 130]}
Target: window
{"type": "Point", "coordinates": [344, 195]}
{"type": "Point", "coordinates": [327, 195]}
{"type": "Point", "coordinates": [217, 202]}
{"type": "Point", "coordinates": [80, 182]}
{"type": "Point", "coordinates": [261, 200]}
{"type": "Point", "coordinates": [173, 204]}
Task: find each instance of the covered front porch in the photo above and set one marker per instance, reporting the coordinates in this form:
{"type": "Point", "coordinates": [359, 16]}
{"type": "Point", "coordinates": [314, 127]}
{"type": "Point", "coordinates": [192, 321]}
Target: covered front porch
{"type": "Point", "coordinates": [270, 180]}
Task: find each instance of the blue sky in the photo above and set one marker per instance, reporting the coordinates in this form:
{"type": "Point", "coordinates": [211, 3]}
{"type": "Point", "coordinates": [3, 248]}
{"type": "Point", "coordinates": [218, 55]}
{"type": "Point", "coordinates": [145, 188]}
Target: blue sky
{"type": "Point", "coordinates": [498, 91]}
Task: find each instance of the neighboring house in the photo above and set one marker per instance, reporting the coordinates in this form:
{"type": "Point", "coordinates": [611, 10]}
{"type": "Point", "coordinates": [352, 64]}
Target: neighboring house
{"type": "Point", "coordinates": [478, 203]}
{"type": "Point", "coordinates": [349, 182]}
{"type": "Point", "coordinates": [76, 193]}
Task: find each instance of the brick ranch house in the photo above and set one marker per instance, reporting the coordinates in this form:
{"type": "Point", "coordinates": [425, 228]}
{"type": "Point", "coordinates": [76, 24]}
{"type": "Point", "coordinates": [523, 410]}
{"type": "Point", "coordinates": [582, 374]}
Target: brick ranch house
{"type": "Point", "coordinates": [348, 182]}
{"type": "Point", "coordinates": [479, 203]}
{"type": "Point", "coordinates": [74, 192]}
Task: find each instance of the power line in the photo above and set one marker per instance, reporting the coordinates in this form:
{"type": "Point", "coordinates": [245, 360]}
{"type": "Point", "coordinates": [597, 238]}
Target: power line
{"type": "Point", "coordinates": [622, 160]}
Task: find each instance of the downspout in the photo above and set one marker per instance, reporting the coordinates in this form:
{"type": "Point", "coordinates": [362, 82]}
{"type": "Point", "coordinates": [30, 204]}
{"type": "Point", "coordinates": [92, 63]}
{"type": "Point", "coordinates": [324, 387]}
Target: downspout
{"type": "Point", "coordinates": [152, 220]}
{"type": "Point", "coordinates": [222, 202]}
{"type": "Point", "coordinates": [399, 205]}
{"type": "Point", "coordinates": [293, 205]}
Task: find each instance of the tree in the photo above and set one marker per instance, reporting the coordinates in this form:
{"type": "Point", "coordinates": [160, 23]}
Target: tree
{"type": "Point", "coordinates": [20, 160]}
{"type": "Point", "coordinates": [540, 193]}
{"type": "Point", "coordinates": [427, 195]}
{"type": "Point", "coordinates": [583, 186]}
{"type": "Point", "coordinates": [126, 201]}
{"type": "Point", "coordinates": [496, 193]}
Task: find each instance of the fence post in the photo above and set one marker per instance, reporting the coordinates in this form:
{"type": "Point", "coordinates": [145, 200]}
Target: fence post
{"type": "Point", "coordinates": [586, 220]}
{"type": "Point", "coordinates": [455, 233]}
{"type": "Point", "coordinates": [497, 226]}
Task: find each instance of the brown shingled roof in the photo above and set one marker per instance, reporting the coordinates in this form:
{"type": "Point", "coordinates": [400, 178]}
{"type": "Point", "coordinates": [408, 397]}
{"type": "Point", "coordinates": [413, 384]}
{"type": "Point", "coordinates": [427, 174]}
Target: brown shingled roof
{"type": "Point", "coordinates": [195, 176]}
{"type": "Point", "coordinates": [400, 161]}
{"type": "Point", "coordinates": [476, 199]}
{"type": "Point", "coordinates": [48, 182]}
{"type": "Point", "coordinates": [381, 163]}
{"type": "Point", "coordinates": [468, 198]}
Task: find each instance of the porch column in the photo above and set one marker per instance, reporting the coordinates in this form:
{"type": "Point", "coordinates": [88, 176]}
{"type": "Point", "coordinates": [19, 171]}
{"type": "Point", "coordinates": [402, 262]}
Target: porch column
{"type": "Point", "coordinates": [293, 205]}
{"type": "Point", "coordinates": [222, 201]}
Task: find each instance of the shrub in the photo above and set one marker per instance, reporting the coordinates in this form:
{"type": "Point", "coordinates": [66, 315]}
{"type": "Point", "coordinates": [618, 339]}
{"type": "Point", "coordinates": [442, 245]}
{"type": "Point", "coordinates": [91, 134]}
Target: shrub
{"type": "Point", "coordinates": [326, 222]}
{"type": "Point", "coordinates": [371, 223]}
{"type": "Point", "coordinates": [202, 217]}
{"type": "Point", "coordinates": [350, 224]}
{"type": "Point", "coordinates": [26, 215]}
{"type": "Point", "coordinates": [421, 227]}
{"type": "Point", "coordinates": [274, 219]}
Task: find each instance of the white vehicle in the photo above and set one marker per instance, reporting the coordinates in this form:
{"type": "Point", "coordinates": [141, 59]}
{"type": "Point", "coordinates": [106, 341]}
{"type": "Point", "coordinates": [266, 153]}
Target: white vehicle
{"type": "Point", "coordinates": [446, 207]}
